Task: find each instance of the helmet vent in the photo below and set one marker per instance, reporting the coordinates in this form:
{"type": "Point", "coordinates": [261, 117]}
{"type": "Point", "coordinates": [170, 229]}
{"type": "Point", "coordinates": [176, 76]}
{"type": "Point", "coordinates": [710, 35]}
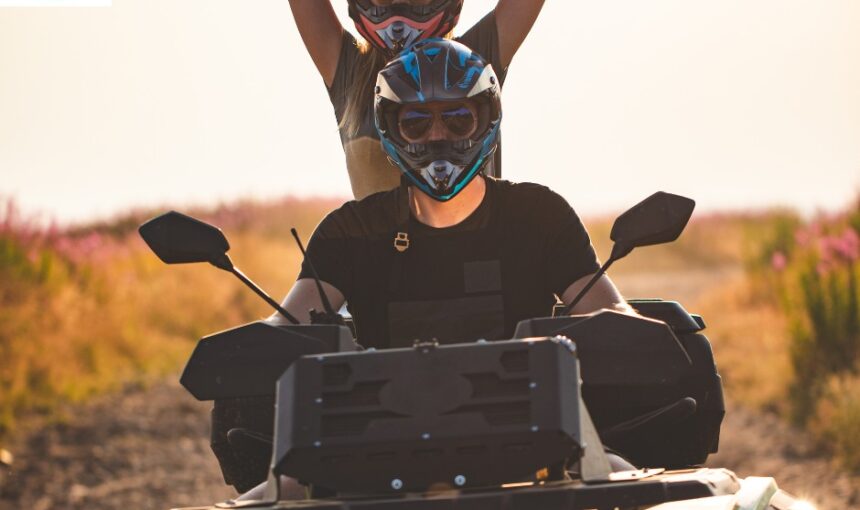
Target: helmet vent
{"type": "Point", "coordinates": [432, 54]}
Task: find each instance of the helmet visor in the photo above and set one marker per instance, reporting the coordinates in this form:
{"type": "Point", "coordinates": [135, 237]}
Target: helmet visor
{"type": "Point", "coordinates": [458, 120]}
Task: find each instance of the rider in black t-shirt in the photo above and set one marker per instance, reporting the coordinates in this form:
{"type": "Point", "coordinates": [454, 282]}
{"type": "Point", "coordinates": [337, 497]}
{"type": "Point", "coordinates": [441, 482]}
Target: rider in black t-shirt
{"type": "Point", "coordinates": [451, 254]}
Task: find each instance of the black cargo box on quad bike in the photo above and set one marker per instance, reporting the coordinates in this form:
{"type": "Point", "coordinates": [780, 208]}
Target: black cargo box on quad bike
{"type": "Point", "coordinates": [641, 414]}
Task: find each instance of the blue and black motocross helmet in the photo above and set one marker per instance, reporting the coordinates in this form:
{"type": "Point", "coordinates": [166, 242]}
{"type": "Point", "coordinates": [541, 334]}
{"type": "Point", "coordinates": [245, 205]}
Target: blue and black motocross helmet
{"type": "Point", "coordinates": [439, 70]}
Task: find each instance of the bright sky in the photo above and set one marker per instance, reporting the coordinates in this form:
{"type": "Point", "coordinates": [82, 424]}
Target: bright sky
{"type": "Point", "coordinates": [736, 103]}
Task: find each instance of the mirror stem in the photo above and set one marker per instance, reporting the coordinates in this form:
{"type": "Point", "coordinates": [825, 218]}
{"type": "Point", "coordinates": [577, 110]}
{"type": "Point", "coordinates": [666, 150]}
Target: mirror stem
{"type": "Point", "coordinates": [247, 281]}
{"type": "Point", "coordinates": [588, 286]}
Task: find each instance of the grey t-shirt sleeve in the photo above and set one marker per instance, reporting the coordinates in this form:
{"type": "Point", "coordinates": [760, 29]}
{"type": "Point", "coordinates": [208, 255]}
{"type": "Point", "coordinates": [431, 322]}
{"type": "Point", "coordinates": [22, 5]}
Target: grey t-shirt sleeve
{"type": "Point", "coordinates": [483, 38]}
{"type": "Point", "coordinates": [344, 74]}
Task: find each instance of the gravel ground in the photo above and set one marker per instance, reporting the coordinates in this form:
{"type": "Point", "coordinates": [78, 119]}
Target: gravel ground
{"type": "Point", "coordinates": [140, 449]}
{"type": "Point", "coordinates": [147, 448]}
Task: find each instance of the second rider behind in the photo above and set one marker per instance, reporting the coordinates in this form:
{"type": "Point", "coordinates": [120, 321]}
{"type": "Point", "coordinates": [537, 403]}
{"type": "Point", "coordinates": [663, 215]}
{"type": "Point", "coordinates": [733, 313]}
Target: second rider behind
{"type": "Point", "coordinates": [450, 255]}
{"type": "Point", "coordinates": [349, 67]}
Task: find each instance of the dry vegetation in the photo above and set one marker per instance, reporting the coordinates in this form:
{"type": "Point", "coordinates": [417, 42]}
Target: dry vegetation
{"type": "Point", "coordinates": [788, 335]}
{"type": "Point", "coordinates": [86, 310]}
{"type": "Point", "coordinates": [782, 302]}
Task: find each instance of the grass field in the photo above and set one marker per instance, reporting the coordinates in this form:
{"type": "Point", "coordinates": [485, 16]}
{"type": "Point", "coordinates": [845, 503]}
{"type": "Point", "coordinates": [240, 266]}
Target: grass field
{"type": "Point", "coordinates": [86, 310]}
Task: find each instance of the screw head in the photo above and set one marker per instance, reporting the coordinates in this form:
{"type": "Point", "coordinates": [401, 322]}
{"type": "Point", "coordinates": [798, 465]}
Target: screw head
{"type": "Point", "coordinates": [397, 484]}
{"type": "Point", "coordinates": [459, 480]}
{"type": "Point", "coordinates": [535, 428]}
{"type": "Point", "coordinates": [317, 444]}
{"type": "Point", "coordinates": [425, 436]}
{"type": "Point", "coordinates": [532, 385]}
{"type": "Point", "coordinates": [318, 400]}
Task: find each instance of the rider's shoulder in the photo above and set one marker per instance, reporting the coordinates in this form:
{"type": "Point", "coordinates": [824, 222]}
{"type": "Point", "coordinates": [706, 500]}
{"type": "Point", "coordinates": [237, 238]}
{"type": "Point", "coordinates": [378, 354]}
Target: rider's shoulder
{"type": "Point", "coordinates": [372, 215]}
{"type": "Point", "coordinates": [532, 197]}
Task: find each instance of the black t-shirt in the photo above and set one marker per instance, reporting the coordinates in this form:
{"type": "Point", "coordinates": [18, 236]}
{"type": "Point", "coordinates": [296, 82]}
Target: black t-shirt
{"type": "Point", "coordinates": [519, 249]}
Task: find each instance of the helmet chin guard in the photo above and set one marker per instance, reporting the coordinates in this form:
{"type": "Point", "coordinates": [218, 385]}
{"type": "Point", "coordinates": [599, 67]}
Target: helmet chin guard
{"type": "Point", "coordinates": [438, 70]}
{"type": "Point", "coordinates": [392, 28]}
{"type": "Point", "coordinates": [398, 34]}
{"type": "Point", "coordinates": [441, 174]}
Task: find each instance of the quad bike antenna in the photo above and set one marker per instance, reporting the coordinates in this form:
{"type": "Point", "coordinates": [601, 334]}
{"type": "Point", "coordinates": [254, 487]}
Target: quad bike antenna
{"type": "Point", "coordinates": [330, 316]}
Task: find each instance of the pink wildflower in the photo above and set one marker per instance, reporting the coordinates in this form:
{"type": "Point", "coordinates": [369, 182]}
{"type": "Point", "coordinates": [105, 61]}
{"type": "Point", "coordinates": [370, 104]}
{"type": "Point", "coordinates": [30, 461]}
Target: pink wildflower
{"type": "Point", "coordinates": [847, 247]}
{"type": "Point", "coordinates": [778, 261]}
{"type": "Point", "coordinates": [804, 237]}
{"type": "Point", "coordinates": [91, 243]}
{"type": "Point", "coordinates": [843, 248]}
{"type": "Point", "coordinates": [53, 231]}
{"type": "Point", "coordinates": [801, 237]}
{"type": "Point", "coordinates": [65, 247]}
{"type": "Point", "coordinates": [9, 215]}
{"type": "Point", "coordinates": [825, 249]}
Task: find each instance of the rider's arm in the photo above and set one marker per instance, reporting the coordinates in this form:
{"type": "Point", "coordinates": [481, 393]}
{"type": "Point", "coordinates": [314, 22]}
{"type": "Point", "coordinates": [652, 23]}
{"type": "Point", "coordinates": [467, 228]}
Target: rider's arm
{"type": "Point", "coordinates": [304, 296]}
{"type": "Point", "coordinates": [603, 294]}
{"type": "Point", "coordinates": [570, 261]}
{"type": "Point", "coordinates": [514, 20]}
{"type": "Point", "coordinates": [328, 254]}
{"type": "Point", "coordinates": [321, 32]}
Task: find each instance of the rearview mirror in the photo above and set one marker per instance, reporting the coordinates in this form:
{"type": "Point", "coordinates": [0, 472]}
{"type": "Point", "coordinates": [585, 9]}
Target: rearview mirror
{"type": "Point", "coordinates": [658, 219]}
{"type": "Point", "coordinates": [180, 239]}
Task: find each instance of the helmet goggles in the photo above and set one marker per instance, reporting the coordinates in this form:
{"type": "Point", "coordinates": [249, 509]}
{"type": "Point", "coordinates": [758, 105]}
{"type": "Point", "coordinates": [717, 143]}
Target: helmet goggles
{"type": "Point", "coordinates": [458, 119]}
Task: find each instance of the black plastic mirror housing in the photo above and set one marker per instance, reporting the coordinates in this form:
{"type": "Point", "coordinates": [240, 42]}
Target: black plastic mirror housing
{"type": "Point", "coordinates": [658, 219]}
{"type": "Point", "coordinates": [179, 239]}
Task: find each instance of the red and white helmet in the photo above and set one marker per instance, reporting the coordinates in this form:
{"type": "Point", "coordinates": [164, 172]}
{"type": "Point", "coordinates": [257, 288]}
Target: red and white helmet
{"type": "Point", "coordinates": [393, 27]}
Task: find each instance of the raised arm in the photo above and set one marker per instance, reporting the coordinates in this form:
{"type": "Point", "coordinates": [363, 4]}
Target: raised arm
{"type": "Point", "coordinates": [321, 32]}
{"type": "Point", "coordinates": [514, 20]}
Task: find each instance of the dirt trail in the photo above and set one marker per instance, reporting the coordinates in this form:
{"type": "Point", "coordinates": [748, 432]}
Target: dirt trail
{"type": "Point", "coordinates": [757, 444]}
{"type": "Point", "coordinates": [144, 448]}
{"type": "Point", "coordinates": [147, 448]}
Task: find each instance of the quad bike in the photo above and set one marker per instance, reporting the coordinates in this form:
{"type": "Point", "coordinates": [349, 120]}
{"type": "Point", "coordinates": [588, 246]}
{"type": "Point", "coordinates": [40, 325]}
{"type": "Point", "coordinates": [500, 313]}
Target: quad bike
{"type": "Point", "coordinates": [524, 423]}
